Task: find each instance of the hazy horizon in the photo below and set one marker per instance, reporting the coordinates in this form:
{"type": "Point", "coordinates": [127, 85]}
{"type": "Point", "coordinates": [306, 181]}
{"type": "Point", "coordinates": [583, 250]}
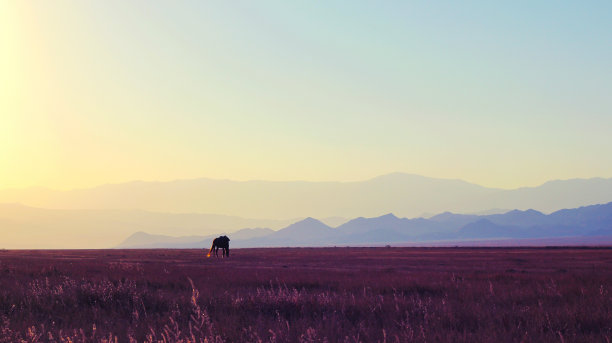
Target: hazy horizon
{"type": "Point", "coordinates": [132, 181]}
{"type": "Point", "coordinates": [101, 217]}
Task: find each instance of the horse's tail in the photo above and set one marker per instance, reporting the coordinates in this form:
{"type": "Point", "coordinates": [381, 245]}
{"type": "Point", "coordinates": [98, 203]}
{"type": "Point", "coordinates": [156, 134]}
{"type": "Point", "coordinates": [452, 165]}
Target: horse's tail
{"type": "Point", "coordinates": [211, 249]}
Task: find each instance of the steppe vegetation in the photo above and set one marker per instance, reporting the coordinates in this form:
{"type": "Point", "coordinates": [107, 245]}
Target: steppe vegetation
{"type": "Point", "coordinates": [307, 295]}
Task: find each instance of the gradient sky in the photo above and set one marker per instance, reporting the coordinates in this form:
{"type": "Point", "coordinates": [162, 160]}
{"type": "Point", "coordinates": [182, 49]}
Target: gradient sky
{"type": "Point", "coordinates": [503, 94]}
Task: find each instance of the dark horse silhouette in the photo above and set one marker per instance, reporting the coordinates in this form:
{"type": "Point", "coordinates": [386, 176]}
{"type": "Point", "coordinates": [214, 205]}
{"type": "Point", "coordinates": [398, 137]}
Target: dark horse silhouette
{"type": "Point", "coordinates": [220, 242]}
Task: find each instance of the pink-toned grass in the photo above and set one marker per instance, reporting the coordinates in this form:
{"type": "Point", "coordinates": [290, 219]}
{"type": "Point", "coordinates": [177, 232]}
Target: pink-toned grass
{"type": "Point", "coordinates": [307, 295]}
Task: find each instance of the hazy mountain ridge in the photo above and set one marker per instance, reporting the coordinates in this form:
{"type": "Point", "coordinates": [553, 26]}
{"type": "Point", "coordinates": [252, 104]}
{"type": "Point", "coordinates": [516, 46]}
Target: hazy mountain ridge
{"type": "Point", "coordinates": [29, 227]}
{"type": "Point", "coordinates": [111, 215]}
{"type": "Point", "coordinates": [143, 240]}
{"type": "Point", "coordinates": [583, 222]}
{"type": "Point", "coordinates": [405, 195]}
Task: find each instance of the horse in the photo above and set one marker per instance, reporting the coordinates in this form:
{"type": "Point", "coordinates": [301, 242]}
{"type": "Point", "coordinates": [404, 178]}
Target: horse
{"type": "Point", "coordinates": [220, 242]}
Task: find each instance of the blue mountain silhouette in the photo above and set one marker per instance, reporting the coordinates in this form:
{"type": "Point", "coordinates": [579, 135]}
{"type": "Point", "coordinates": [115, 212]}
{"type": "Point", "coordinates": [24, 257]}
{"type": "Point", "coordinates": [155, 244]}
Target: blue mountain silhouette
{"type": "Point", "coordinates": [588, 221]}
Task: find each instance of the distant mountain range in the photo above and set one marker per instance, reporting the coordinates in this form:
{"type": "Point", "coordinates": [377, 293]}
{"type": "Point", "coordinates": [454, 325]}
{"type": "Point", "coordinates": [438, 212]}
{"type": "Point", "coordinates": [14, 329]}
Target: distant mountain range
{"type": "Point", "coordinates": [102, 216]}
{"type": "Point", "coordinates": [143, 240]}
{"type": "Point", "coordinates": [27, 227]}
{"type": "Point", "coordinates": [579, 224]}
{"type": "Point", "coordinates": [403, 194]}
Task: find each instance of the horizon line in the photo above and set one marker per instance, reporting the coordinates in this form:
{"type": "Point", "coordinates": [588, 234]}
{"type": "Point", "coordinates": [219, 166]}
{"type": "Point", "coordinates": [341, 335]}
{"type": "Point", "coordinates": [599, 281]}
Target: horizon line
{"type": "Point", "coordinates": [60, 189]}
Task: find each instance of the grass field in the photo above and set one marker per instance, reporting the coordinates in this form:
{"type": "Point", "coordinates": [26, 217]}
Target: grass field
{"type": "Point", "coordinates": [308, 295]}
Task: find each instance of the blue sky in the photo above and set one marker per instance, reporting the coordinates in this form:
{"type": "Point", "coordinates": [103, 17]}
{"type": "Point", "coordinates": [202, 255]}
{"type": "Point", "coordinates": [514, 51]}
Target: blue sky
{"type": "Point", "coordinates": [501, 94]}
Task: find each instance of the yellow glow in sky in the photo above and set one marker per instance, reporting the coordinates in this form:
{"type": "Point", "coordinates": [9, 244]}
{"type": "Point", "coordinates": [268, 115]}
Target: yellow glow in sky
{"type": "Point", "coordinates": [105, 92]}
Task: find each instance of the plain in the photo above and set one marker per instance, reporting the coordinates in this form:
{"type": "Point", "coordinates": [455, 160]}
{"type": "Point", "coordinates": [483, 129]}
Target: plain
{"type": "Point", "coordinates": [307, 295]}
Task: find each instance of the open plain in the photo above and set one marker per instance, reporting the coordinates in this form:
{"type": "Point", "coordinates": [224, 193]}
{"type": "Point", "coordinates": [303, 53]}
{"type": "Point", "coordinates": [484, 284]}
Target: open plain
{"type": "Point", "coordinates": [307, 295]}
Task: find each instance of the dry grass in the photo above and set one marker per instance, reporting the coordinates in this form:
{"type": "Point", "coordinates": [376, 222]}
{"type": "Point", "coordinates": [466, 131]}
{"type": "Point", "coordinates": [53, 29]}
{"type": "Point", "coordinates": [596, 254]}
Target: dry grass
{"type": "Point", "coordinates": [307, 295]}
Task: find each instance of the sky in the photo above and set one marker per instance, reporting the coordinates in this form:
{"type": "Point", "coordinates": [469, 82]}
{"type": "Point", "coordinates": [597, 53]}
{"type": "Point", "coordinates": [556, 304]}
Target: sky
{"type": "Point", "coordinates": [502, 94]}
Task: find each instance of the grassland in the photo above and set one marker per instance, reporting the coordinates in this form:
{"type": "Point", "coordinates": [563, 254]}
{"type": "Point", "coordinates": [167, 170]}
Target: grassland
{"type": "Point", "coordinates": [307, 295]}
